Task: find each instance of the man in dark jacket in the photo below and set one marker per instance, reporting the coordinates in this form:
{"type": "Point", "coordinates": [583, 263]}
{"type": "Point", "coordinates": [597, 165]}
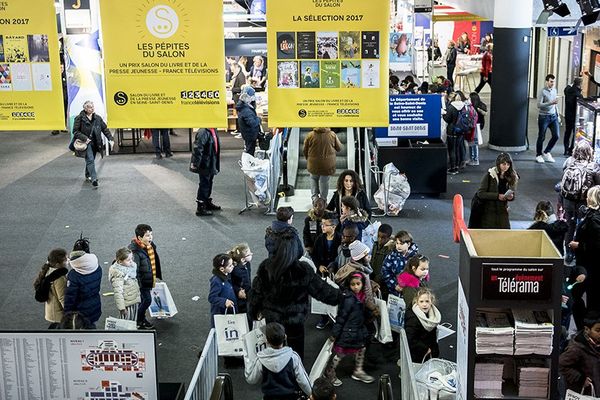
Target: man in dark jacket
{"type": "Point", "coordinates": [148, 264]}
{"type": "Point", "coordinates": [206, 162]}
{"type": "Point", "coordinates": [248, 121]}
{"type": "Point", "coordinates": [89, 127]}
{"type": "Point", "coordinates": [572, 93]}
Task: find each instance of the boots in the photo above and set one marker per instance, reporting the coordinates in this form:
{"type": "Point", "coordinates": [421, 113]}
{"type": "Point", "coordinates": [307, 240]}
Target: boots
{"type": "Point", "coordinates": [212, 206]}
{"type": "Point", "coordinates": [202, 210]}
{"type": "Point", "coordinates": [330, 370]}
{"type": "Point", "coordinates": [359, 374]}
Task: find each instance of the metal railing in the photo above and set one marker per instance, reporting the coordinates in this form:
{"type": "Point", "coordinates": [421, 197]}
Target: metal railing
{"type": "Point", "coordinates": [207, 369]}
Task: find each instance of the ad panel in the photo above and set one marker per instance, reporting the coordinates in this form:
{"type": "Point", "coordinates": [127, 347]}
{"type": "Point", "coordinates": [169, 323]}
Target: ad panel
{"type": "Point", "coordinates": [330, 59]}
{"type": "Point", "coordinates": [164, 63]}
{"type": "Point", "coordinates": [30, 81]}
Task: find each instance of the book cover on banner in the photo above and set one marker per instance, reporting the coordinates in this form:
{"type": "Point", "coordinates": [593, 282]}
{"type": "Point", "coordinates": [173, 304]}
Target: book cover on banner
{"type": "Point", "coordinates": [370, 74]}
{"type": "Point", "coordinates": [350, 45]}
{"type": "Point", "coordinates": [306, 45]}
{"type": "Point", "coordinates": [287, 74]}
{"type": "Point", "coordinates": [351, 74]}
{"type": "Point", "coordinates": [286, 45]}
{"type": "Point", "coordinates": [370, 44]}
{"type": "Point", "coordinates": [38, 48]}
{"type": "Point", "coordinates": [330, 74]}
{"type": "Point", "coordinates": [310, 74]}
{"type": "Point", "coordinates": [327, 45]}
{"type": "Point", "coordinates": [15, 48]}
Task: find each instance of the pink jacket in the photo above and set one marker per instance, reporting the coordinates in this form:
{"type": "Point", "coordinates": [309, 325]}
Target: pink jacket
{"type": "Point", "coordinates": [406, 279]}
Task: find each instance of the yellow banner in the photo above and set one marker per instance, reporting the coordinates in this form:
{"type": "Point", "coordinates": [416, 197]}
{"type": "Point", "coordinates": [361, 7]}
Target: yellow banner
{"type": "Point", "coordinates": [164, 63]}
{"type": "Point", "coordinates": [30, 81]}
{"type": "Point", "coordinates": [328, 62]}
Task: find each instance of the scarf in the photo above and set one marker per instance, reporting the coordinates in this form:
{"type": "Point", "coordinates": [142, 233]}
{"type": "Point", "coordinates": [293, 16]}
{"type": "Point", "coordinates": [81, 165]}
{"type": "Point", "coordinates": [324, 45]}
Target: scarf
{"type": "Point", "coordinates": [361, 296]}
{"type": "Point", "coordinates": [150, 250]}
{"type": "Point", "coordinates": [127, 272]}
{"type": "Point", "coordinates": [83, 262]}
{"type": "Point", "coordinates": [431, 321]}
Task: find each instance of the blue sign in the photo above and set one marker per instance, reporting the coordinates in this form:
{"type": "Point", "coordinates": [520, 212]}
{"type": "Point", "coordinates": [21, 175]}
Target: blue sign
{"type": "Point", "coordinates": [413, 116]}
{"type": "Point", "coordinates": [556, 31]}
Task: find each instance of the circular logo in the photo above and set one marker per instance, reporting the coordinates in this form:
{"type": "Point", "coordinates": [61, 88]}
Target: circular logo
{"type": "Point", "coordinates": [121, 98]}
{"type": "Point", "coordinates": [162, 21]}
{"type": "Point", "coordinates": [302, 113]}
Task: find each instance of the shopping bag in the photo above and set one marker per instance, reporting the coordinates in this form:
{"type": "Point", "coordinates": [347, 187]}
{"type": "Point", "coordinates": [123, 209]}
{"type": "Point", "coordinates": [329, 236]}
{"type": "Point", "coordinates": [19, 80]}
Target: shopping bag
{"type": "Point", "coordinates": [444, 330]}
{"type": "Point", "coordinates": [479, 135]}
{"type": "Point", "coordinates": [230, 329]}
{"type": "Point", "coordinates": [162, 305]}
{"type": "Point", "coordinates": [254, 341]}
{"type": "Point", "coordinates": [117, 324]}
{"type": "Point", "coordinates": [396, 309]}
{"type": "Point", "coordinates": [320, 364]}
{"type": "Point", "coordinates": [369, 234]}
{"type": "Point", "coordinates": [436, 379]}
{"type": "Point", "coordinates": [571, 395]}
{"type": "Point", "coordinates": [316, 307]}
{"type": "Point", "coordinates": [383, 328]}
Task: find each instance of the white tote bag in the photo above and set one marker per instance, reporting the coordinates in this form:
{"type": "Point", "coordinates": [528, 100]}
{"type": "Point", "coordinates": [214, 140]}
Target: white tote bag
{"type": "Point", "coordinates": [254, 341]}
{"type": "Point", "coordinates": [396, 309]}
{"type": "Point", "coordinates": [479, 135]}
{"type": "Point", "coordinates": [320, 364]}
{"type": "Point", "coordinates": [571, 395]}
{"type": "Point", "coordinates": [230, 329]}
{"type": "Point", "coordinates": [383, 328]}
{"type": "Point", "coordinates": [316, 307]}
{"type": "Point", "coordinates": [117, 324]}
{"type": "Point", "coordinates": [162, 305]}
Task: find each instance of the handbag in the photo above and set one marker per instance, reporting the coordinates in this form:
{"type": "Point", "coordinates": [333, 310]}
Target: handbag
{"type": "Point", "coordinates": [317, 307]}
{"type": "Point", "coordinates": [320, 363]}
{"type": "Point", "coordinates": [80, 145]}
{"type": "Point", "coordinates": [383, 328]}
{"type": "Point", "coordinates": [117, 324]}
{"type": "Point", "coordinates": [162, 305]}
{"type": "Point", "coordinates": [571, 395]}
{"type": "Point", "coordinates": [230, 329]}
{"type": "Point", "coordinates": [396, 310]}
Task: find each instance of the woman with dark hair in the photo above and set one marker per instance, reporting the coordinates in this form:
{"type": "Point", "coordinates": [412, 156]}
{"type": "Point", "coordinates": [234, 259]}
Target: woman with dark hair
{"type": "Point", "coordinates": [50, 285]}
{"type": "Point", "coordinates": [348, 184]}
{"type": "Point", "coordinates": [281, 288]}
{"type": "Point", "coordinates": [497, 188]}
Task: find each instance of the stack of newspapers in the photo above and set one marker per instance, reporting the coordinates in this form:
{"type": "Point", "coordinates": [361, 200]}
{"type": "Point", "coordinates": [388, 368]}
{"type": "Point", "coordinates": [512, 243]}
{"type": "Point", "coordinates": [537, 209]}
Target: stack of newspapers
{"type": "Point", "coordinates": [533, 379]}
{"type": "Point", "coordinates": [494, 333]}
{"type": "Point", "coordinates": [488, 379]}
{"type": "Point", "coordinates": [533, 332]}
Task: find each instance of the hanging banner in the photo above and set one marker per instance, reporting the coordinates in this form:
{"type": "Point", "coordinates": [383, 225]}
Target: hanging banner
{"type": "Point", "coordinates": [331, 59]}
{"type": "Point", "coordinates": [30, 81]}
{"type": "Point", "coordinates": [164, 63]}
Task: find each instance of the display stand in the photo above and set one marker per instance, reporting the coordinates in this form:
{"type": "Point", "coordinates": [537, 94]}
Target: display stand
{"type": "Point", "coordinates": [503, 270]}
{"type": "Point", "coordinates": [587, 124]}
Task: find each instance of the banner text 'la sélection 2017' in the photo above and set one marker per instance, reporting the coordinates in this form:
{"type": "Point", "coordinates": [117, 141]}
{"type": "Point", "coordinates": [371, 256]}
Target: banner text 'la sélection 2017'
{"type": "Point", "coordinates": [331, 62]}
{"type": "Point", "coordinates": [164, 63]}
{"type": "Point", "coordinates": [30, 82]}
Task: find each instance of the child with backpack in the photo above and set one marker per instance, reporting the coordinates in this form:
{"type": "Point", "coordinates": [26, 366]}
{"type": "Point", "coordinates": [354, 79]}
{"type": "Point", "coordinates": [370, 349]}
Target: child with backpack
{"type": "Point", "coordinates": [461, 118]}
{"type": "Point", "coordinates": [278, 368]}
{"type": "Point", "coordinates": [50, 286]}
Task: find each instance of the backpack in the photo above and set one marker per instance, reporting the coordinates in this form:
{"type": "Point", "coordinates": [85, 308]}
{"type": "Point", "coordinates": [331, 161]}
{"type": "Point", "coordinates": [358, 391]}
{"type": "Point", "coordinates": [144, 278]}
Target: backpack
{"type": "Point", "coordinates": [576, 181]}
{"type": "Point", "coordinates": [466, 121]}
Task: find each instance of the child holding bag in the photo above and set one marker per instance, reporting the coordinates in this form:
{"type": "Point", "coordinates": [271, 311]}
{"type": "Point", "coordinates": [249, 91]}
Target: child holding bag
{"type": "Point", "coordinates": [122, 275]}
{"type": "Point", "coordinates": [221, 295]}
{"type": "Point", "coordinates": [349, 332]}
{"type": "Point", "coordinates": [420, 324]}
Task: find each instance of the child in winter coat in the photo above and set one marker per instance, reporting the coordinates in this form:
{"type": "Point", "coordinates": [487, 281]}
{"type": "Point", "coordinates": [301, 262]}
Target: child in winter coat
{"type": "Point", "coordinates": [420, 323]}
{"type": "Point", "coordinates": [83, 283]}
{"type": "Point", "coordinates": [241, 277]}
{"type": "Point", "coordinates": [278, 367]}
{"type": "Point", "coordinates": [395, 262]}
{"type": "Point", "coordinates": [122, 275]}
{"type": "Point", "coordinates": [221, 295]}
{"type": "Point", "coordinates": [312, 224]}
{"type": "Point", "coordinates": [414, 276]}
{"type": "Point", "coordinates": [381, 248]}
{"type": "Point", "coordinates": [349, 332]}
{"type": "Point", "coordinates": [352, 214]}
{"type": "Point", "coordinates": [580, 363]}
{"type": "Point", "coordinates": [359, 262]}
{"type": "Point", "coordinates": [349, 234]}
{"type": "Point", "coordinates": [50, 284]}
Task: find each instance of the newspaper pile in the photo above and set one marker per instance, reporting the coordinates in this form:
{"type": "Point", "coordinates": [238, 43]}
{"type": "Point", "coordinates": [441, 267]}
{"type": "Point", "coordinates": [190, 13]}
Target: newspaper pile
{"type": "Point", "coordinates": [534, 378]}
{"type": "Point", "coordinates": [494, 333]}
{"type": "Point", "coordinates": [533, 332]}
{"type": "Point", "coordinates": [488, 379]}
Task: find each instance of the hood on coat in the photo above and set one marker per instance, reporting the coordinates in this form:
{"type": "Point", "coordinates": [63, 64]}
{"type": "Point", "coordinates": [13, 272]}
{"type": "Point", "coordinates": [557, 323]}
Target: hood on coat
{"type": "Point", "coordinates": [241, 105]}
{"type": "Point", "coordinates": [361, 216]}
{"type": "Point", "coordinates": [84, 263]}
{"type": "Point", "coordinates": [123, 270]}
{"type": "Point", "coordinates": [281, 226]}
{"type": "Point", "coordinates": [313, 216]}
{"type": "Point", "coordinates": [349, 268]}
{"type": "Point", "coordinates": [275, 359]}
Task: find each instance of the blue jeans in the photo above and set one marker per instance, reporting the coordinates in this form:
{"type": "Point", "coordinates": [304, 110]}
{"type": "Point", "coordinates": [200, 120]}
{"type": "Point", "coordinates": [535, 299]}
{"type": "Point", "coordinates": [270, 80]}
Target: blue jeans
{"type": "Point", "coordinates": [146, 301]}
{"type": "Point", "coordinates": [90, 164]}
{"type": "Point", "coordinates": [474, 149]}
{"type": "Point", "coordinates": [163, 134]}
{"type": "Point", "coordinates": [545, 122]}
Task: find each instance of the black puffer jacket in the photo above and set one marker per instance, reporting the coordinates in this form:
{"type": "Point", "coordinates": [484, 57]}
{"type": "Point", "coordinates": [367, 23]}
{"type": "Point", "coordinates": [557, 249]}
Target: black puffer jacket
{"type": "Point", "coordinates": [84, 128]}
{"type": "Point", "coordinates": [588, 237]}
{"type": "Point", "coordinates": [206, 159]}
{"type": "Point", "coordinates": [349, 329]}
{"type": "Point", "coordinates": [286, 300]}
{"type": "Point", "coordinates": [144, 271]}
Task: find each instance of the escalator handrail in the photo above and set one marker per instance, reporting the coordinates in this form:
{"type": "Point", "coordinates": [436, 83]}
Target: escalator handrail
{"type": "Point", "coordinates": [284, 156]}
{"type": "Point", "coordinates": [223, 388]}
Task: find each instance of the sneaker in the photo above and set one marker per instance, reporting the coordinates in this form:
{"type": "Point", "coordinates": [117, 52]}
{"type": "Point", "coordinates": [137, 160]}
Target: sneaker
{"type": "Point", "coordinates": [473, 163]}
{"type": "Point", "coordinates": [452, 171]}
{"type": "Point", "coordinates": [336, 382]}
{"type": "Point", "coordinates": [548, 157]}
{"type": "Point", "coordinates": [238, 136]}
{"type": "Point", "coordinates": [158, 156]}
{"type": "Point", "coordinates": [95, 183]}
{"type": "Point", "coordinates": [362, 377]}
{"type": "Point", "coordinates": [540, 159]}
{"type": "Point", "coordinates": [169, 154]}
{"type": "Point", "coordinates": [146, 324]}
{"type": "Point", "coordinates": [323, 323]}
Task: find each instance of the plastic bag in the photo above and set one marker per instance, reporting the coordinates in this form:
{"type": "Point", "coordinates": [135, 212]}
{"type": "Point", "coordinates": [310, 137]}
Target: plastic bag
{"type": "Point", "coordinates": [436, 379]}
{"type": "Point", "coordinates": [369, 234]}
{"type": "Point", "coordinates": [395, 188]}
{"type": "Point", "coordinates": [257, 177]}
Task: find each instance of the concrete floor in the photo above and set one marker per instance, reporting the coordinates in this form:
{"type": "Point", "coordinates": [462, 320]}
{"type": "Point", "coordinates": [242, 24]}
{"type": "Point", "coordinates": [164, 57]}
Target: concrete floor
{"type": "Point", "coordinates": [45, 203]}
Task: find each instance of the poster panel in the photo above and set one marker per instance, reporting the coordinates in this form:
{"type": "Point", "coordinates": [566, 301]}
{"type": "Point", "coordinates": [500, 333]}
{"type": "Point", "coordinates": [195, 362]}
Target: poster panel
{"type": "Point", "coordinates": [78, 365]}
{"type": "Point", "coordinates": [164, 63]}
{"type": "Point", "coordinates": [516, 281]}
{"type": "Point", "coordinates": [30, 81]}
{"type": "Point", "coordinates": [330, 60]}
{"type": "Point", "coordinates": [462, 340]}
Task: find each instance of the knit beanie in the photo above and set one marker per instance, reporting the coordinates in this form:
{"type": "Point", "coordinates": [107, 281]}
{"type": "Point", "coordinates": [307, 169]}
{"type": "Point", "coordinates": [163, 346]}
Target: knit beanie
{"type": "Point", "coordinates": [358, 250]}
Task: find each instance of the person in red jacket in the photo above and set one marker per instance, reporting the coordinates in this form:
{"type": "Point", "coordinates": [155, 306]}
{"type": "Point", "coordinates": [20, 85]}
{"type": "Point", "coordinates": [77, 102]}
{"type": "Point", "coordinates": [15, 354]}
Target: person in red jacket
{"type": "Point", "coordinates": [486, 68]}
